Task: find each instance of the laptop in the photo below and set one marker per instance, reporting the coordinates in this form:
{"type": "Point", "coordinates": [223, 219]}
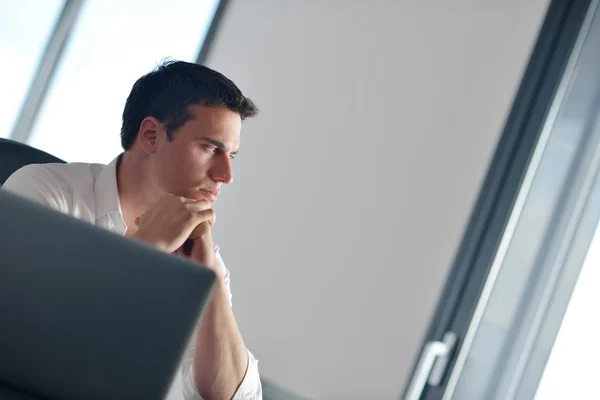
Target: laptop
{"type": "Point", "coordinates": [88, 314]}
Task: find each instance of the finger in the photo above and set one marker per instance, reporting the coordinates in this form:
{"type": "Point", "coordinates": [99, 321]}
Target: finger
{"type": "Point", "coordinates": [188, 200]}
{"type": "Point", "coordinates": [198, 205]}
{"type": "Point", "coordinates": [201, 231]}
{"type": "Point", "coordinates": [207, 215]}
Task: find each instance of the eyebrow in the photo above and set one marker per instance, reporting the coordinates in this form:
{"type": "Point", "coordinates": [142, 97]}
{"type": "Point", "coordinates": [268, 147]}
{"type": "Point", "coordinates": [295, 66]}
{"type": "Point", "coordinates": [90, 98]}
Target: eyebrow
{"type": "Point", "coordinates": [216, 143]}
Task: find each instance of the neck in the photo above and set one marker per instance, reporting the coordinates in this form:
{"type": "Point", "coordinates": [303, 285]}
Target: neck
{"type": "Point", "coordinates": [136, 191]}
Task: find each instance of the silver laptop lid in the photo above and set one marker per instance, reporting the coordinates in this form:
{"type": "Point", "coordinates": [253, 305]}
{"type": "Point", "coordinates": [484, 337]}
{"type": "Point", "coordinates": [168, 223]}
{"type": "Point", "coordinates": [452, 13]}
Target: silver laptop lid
{"type": "Point", "coordinates": [87, 314]}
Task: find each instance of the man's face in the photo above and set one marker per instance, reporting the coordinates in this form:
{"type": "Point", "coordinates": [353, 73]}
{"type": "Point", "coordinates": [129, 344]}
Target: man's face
{"type": "Point", "coordinates": [198, 160]}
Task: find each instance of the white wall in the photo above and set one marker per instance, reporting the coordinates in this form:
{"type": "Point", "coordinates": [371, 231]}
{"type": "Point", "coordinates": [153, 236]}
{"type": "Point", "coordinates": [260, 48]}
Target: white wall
{"type": "Point", "coordinates": [353, 186]}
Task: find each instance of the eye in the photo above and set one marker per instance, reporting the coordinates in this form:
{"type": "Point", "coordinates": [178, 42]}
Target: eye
{"type": "Point", "coordinates": [232, 156]}
{"type": "Point", "coordinates": [209, 147]}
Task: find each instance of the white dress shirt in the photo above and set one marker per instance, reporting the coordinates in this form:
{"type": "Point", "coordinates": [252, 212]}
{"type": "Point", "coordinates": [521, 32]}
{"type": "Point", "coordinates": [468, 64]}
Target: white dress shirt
{"type": "Point", "coordinates": [89, 192]}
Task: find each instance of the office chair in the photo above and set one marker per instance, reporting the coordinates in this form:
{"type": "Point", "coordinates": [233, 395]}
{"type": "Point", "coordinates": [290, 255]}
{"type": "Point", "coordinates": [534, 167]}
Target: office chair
{"type": "Point", "coordinates": [14, 155]}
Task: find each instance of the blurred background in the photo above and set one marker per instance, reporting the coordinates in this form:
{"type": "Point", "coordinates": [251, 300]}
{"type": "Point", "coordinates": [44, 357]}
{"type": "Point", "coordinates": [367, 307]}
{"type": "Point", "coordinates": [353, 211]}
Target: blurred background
{"type": "Point", "coordinates": [415, 209]}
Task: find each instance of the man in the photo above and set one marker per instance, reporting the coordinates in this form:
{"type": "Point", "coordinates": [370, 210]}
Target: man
{"type": "Point", "coordinates": [181, 130]}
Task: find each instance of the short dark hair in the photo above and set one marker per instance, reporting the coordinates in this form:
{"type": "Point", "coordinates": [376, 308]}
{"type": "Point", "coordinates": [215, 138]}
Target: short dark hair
{"type": "Point", "coordinates": [167, 92]}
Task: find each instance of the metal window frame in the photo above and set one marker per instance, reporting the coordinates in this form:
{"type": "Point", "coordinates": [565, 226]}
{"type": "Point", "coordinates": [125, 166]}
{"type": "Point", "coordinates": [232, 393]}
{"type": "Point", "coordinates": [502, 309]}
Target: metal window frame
{"type": "Point", "coordinates": [46, 69]}
{"type": "Point", "coordinates": [211, 34]}
{"type": "Point", "coordinates": [506, 171]}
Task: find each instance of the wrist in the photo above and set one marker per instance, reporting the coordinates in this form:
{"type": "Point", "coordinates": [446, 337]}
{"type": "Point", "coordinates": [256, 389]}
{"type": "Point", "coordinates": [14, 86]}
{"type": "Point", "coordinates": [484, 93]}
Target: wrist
{"type": "Point", "coordinates": [142, 238]}
{"type": "Point", "coordinates": [217, 270]}
{"type": "Point", "coordinates": [220, 287]}
{"type": "Point", "coordinates": [213, 264]}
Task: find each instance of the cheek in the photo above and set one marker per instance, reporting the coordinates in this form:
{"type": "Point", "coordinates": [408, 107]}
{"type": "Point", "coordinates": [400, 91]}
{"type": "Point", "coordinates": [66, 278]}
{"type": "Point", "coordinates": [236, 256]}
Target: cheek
{"type": "Point", "coordinates": [191, 165]}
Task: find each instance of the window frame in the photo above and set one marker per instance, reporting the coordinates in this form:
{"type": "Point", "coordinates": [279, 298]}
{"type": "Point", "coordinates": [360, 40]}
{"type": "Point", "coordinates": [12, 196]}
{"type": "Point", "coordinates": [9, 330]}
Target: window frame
{"type": "Point", "coordinates": [471, 266]}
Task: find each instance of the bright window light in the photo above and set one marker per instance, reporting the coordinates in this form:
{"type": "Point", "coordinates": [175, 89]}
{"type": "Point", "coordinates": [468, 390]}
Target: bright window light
{"type": "Point", "coordinates": [113, 43]}
{"type": "Point", "coordinates": [23, 37]}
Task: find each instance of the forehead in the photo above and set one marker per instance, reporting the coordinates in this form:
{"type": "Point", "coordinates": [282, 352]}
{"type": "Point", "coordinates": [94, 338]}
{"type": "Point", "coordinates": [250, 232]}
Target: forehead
{"type": "Point", "coordinates": [214, 122]}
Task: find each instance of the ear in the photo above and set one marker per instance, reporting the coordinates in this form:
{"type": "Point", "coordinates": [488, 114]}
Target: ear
{"type": "Point", "coordinates": [150, 129]}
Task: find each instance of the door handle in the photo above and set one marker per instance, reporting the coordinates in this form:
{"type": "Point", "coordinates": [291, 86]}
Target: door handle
{"type": "Point", "coordinates": [431, 366]}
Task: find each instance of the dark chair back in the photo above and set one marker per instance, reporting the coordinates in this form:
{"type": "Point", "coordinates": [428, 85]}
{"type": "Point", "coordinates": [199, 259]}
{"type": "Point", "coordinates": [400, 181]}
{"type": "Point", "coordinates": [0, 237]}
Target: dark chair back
{"type": "Point", "coordinates": [14, 155]}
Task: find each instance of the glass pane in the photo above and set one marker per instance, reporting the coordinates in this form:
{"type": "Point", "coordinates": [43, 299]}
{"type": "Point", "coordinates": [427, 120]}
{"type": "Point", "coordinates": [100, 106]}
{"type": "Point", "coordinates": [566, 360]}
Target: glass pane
{"type": "Point", "coordinates": [566, 375]}
{"type": "Point", "coordinates": [545, 245]}
{"type": "Point", "coordinates": [113, 44]}
{"type": "Point", "coordinates": [23, 37]}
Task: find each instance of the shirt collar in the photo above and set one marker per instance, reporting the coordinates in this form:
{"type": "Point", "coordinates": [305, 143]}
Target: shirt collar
{"type": "Point", "coordinates": [106, 191]}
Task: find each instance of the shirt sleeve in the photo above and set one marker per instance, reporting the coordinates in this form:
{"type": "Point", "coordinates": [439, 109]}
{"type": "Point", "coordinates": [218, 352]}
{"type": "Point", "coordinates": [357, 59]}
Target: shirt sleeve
{"type": "Point", "coordinates": [35, 183]}
{"type": "Point", "coordinates": [249, 389]}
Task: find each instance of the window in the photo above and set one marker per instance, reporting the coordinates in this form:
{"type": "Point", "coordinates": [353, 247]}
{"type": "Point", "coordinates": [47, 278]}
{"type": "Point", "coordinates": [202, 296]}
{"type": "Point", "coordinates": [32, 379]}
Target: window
{"type": "Point", "coordinates": [23, 37]}
{"type": "Point", "coordinates": [564, 375]}
{"type": "Point", "coordinates": [514, 322]}
{"type": "Point", "coordinates": [112, 44]}
{"type": "Point", "coordinates": [542, 251]}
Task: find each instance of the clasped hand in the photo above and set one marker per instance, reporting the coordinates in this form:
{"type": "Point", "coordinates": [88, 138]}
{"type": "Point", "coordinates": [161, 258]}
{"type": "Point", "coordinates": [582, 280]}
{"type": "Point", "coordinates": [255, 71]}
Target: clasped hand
{"type": "Point", "coordinates": [181, 226]}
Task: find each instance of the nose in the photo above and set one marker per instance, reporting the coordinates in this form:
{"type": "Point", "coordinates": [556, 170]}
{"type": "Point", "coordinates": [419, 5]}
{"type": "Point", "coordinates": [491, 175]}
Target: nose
{"type": "Point", "coordinates": [221, 170]}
